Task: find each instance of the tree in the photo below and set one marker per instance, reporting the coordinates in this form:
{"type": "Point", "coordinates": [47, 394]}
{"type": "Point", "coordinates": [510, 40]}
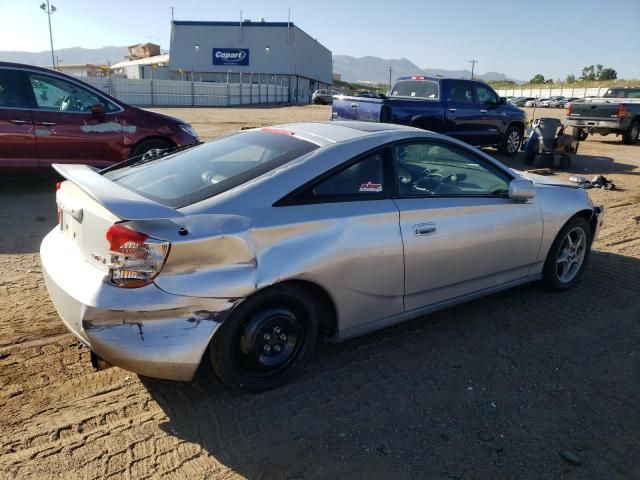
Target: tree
{"type": "Point", "coordinates": [598, 71]}
{"type": "Point", "coordinates": [538, 78]}
{"type": "Point", "coordinates": [608, 74]}
{"type": "Point", "coordinates": [588, 73]}
{"type": "Point", "coordinates": [571, 78]}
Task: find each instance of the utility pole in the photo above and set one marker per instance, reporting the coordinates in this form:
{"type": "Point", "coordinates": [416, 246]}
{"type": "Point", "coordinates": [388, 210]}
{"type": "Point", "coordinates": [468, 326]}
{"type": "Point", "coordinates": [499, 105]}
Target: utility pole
{"type": "Point", "coordinates": [171, 7]}
{"type": "Point", "coordinates": [473, 64]}
{"type": "Point", "coordinates": [390, 70]}
{"type": "Point", "coordinates": [49, 9]}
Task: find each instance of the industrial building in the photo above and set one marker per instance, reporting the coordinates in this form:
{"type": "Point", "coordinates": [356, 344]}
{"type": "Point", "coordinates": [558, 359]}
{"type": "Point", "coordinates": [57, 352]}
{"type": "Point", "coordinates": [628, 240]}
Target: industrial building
{"type": "Point", "coordinates": [277, 53]}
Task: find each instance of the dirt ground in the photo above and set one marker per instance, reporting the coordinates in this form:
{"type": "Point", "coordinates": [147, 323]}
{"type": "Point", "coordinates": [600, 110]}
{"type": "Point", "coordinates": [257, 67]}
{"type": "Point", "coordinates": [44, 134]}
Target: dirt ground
{"type": "Point", "coordinates": [521, 384]}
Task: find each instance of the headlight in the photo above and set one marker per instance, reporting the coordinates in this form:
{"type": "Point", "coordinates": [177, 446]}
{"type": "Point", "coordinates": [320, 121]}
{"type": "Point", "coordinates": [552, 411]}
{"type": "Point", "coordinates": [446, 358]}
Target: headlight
{"type": "Point", "coordinates": [188, 129]}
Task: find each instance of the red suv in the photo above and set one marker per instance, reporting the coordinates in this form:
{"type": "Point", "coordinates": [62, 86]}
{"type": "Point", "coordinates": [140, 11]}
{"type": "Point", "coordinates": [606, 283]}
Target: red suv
{"type": "Point", "coordinates": [47, 117]}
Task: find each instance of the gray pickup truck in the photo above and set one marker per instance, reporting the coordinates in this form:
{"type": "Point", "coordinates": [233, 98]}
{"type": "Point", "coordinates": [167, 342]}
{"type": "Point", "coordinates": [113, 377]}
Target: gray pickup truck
{"type": "Point", "coordinates": [617, 112]}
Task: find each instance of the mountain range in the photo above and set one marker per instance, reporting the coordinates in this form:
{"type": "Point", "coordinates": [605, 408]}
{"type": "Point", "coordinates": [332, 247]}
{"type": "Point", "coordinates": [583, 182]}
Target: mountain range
{"type": "Point", "coordinates": [94, 56]}
{"type": "Point", "coordinates": [352, 69]}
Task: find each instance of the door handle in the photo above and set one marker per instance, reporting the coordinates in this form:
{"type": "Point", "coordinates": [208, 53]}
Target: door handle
{"type": "Point", "coordinates": [484, 110]}
{"type": "Point", "coordinates": [453, 110]}
{"type": "Point", "coordinates": [424, 229]}
{"type": "Point", "coordinates": [46, 124]}
{"type": "Point", "coordinates": [354, 105]}
{"type": "Point", "coordinates": [18, 122]}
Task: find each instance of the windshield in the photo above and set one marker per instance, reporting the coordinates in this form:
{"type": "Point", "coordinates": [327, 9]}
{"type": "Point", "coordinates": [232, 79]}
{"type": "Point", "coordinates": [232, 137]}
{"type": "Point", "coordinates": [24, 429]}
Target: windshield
{"type": "Point", "coordinates": [622, 93]}
{"type": "Point", "coordinates": [416, 88]}
{"type": "Point", "coordinates": [211, 168]}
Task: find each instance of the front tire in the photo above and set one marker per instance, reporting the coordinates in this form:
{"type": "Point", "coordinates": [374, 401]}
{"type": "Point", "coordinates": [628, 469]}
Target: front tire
{"type": "Point", "coordinates": [151, 144]}
{"type": "Point", "coordinates": [568, 256]}
{"type": "Point", "coordinates": [267, 340]}
{"type": "Point", "coordinates": [511, 142]}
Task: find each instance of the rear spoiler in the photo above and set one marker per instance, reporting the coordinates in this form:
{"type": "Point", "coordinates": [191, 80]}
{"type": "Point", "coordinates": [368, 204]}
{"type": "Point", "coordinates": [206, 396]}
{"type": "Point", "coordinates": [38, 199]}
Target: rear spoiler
{"type": "Point", "coordinates": [122, 202]}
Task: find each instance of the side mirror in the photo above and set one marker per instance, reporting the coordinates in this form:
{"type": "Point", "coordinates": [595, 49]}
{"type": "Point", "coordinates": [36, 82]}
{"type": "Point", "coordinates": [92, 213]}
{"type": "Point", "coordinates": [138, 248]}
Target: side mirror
{"type": "Point", "coordinates": [98, 110]}
{"type": "Point", "coordinates": [502, 101]}
{"type": "Point", "coordinates": [521, 190]}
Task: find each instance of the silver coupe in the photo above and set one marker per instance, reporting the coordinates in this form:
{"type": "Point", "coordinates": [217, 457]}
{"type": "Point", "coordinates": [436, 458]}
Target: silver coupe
{"type": "Point", "coordinates": [248, 250]}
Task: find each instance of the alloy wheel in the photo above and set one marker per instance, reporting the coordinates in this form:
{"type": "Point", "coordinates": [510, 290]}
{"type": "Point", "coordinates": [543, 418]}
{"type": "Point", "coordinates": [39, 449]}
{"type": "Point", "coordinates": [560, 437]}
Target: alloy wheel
{"type": "Point", "coordinates": [513, 140]}
{"type": "Point", "coordinates": [571, 255]}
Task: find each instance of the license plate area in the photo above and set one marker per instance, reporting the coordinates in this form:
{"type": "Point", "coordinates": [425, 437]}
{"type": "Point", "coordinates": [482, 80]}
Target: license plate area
{"type": "Point", "coordinates": [70, 222]}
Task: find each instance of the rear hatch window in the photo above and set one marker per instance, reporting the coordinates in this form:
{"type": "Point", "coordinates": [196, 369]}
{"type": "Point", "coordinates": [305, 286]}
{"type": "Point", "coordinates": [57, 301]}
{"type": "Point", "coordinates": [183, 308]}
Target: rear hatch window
{"type": "Point", "coordinates": [416, 88]}
{"type": "Point", "coordinates": [206, 170]}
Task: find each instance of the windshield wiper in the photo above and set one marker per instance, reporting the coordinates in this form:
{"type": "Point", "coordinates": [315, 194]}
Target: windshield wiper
{"type": "Point", "coordinates": [149, 156]}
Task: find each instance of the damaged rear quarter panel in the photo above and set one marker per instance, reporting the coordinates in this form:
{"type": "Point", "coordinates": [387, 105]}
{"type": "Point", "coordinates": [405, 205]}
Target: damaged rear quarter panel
{"type": "Point", "coordinates": [357, 259]}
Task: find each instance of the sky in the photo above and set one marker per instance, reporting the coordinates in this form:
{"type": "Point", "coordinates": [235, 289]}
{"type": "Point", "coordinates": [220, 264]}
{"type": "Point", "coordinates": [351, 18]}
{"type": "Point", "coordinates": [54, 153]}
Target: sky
{"type": "Point", "coordinates": [515, 37]}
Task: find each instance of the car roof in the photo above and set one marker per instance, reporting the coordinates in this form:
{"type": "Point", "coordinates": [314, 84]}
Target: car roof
{"type": "Point", "coordinates": [24, 65]}
{"type": "Point", "coordinates": [330, 132]}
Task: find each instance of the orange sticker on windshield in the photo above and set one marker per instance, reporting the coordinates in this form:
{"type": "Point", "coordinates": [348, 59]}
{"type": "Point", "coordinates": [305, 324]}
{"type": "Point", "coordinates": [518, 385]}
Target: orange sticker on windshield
{"type": "Point", "coordinates": [371, 187]}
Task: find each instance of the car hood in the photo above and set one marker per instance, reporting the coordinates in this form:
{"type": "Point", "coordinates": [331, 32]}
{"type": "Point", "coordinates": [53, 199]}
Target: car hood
{"type": "Point", "coordinates": [542, 180]}
{"type": "Point", "coordinates": [162, 117]}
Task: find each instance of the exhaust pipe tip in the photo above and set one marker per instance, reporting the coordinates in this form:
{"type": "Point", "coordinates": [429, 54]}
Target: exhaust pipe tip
{"type": "Point", "coordinates": [99, 363]}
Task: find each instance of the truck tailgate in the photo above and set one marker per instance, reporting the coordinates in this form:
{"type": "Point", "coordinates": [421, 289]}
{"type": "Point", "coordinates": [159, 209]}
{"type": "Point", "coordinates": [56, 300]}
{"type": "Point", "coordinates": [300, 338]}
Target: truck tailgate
{"type": "Point", "coordinates": [357, 108]}
{"type": "Point", "coordinates": [601, 109]}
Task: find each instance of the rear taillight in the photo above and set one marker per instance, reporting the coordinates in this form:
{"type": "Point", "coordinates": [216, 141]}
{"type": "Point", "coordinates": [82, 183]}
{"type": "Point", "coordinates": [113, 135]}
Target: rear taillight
{"type": "Point", "coordinates": [622, 111]}
{"type": "Point", "coordinates": [135, 258]}
{"type": "Point", "coordinates": [58, 185]}
{"type": "Point", "coordinates": [568, 108]}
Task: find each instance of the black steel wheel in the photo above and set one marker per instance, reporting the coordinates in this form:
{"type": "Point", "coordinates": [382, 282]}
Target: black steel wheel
{"type": "Point", "coordinates": [266, 340]}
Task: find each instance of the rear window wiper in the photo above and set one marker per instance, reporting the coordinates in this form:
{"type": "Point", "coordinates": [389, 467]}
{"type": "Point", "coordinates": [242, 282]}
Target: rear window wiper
{"type": "Point", "coordinates": [149, 156]}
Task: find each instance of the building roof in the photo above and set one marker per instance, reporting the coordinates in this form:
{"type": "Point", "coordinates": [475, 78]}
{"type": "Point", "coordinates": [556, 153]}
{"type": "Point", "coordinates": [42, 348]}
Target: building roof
{"type": "Point", "coordinates": [143, 45]}
{"type": "Point", "coordinates": [164, 58]}
{"type": "Point", "coordinates": [245, 23]}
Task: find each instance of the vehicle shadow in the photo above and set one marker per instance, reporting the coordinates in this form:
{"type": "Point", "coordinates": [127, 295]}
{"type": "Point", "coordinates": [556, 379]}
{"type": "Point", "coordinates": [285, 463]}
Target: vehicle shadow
{"type": "Point", "coordinates": [27, 212]}
{"type": "Point", "coordinates": [491, 389]}
{"type": "Point", "coordinates": [581, 164]}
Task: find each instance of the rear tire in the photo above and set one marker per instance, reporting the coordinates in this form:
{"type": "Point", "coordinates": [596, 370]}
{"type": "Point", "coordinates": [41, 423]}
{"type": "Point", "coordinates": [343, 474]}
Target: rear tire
{"type": "Point", "coordinates": [568, 259]}
{"type": "Point", "coordinates": [511, 141]}
{"type": "Point", "coordinates": [151, 144]}
{"type": "Point", "coordinates": [565, 161]}
{"type": "Point", "coordinates": [267, 340]}
{"type": "Point", "coordinates": [581, 134]}
{"type": "Point", "coordinates": [630, 137]}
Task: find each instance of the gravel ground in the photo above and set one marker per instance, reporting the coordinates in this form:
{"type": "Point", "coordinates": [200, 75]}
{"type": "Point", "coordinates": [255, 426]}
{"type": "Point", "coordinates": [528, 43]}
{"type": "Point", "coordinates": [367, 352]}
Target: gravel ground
{"type": "Point", "coordinates": [521, 384]}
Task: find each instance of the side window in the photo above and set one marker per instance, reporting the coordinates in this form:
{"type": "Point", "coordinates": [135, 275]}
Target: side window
{"type": "Point", "coordinates": [460, 92]}
{"type": "Point", "coordinates": [360, 181]}
{"type": "Point", "coordinates": [11, 92]}
{"type": "Point", "coordinates": [59, 95]}
{"type": "Point", "coordinates": [446, 170]}
{"type": "Point", "coordinates": [485, 95]}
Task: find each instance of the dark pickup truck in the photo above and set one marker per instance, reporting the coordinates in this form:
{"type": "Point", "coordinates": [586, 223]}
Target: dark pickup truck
{"type": "Point", "coordinates": [617, 111]}
{"type": "Point", "coordinates": [465, 109]}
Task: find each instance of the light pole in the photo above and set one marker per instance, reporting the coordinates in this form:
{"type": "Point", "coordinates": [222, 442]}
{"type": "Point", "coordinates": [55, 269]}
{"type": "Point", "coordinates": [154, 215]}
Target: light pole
{"type": "Point", "coordinates": [473, 64]}
{"type": "Point", "coordinates": [390, 70]}
{"type": "Point", "coordinates": [49, 9]}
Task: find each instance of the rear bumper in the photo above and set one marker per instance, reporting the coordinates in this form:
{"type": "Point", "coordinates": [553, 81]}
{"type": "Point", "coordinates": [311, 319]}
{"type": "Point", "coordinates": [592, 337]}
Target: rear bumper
{"type": "Point", "coordinates": [600, 123]}
{"type": "Point", "coordinates": [144, 330]}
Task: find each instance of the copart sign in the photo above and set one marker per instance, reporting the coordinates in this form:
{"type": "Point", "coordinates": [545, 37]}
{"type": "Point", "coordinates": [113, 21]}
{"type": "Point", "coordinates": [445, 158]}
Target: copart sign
{"type": "Point", "coordinates": [231, 56]}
